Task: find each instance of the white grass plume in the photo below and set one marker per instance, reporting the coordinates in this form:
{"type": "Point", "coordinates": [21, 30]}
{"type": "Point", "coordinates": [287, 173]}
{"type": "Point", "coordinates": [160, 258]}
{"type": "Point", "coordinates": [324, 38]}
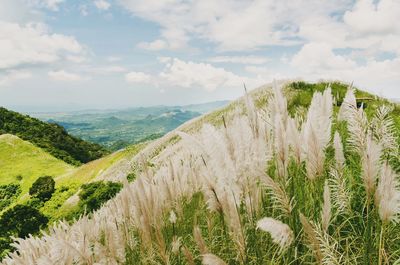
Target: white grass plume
{"type": "Point", "coordinates": [339, 155]}
{"type": "Point", "coordinates": [281, 233]}
{"type": "Point", "coordinates": [388, 195]}
{"type": "Point", "coordinates": [211, 259]}
{"type": "Point", "coordinates": [326, 213]}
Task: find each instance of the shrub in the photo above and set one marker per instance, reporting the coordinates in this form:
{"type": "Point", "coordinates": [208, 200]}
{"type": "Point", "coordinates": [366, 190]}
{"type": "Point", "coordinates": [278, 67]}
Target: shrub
{"type": "Point", "coordinates": [8, 193]}
{"type": "Point", "coordinates": [43, 188]}
{"type": "Point", "coordinates": [95, 194]}
{"type": "Point", "coordinates": [21, 221]}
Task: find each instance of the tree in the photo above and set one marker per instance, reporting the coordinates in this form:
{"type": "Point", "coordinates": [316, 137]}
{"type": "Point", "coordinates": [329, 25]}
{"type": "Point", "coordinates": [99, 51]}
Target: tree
{"type": "Point", "coordinates": [43, 188]}
{"type": "Point", "coordinates": [21, 221]}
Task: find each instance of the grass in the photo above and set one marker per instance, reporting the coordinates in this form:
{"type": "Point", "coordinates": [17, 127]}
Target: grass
{"type": "Point", "coordinates": [221, 180]}
{"type": "Point", "coordinates": [21, 162]}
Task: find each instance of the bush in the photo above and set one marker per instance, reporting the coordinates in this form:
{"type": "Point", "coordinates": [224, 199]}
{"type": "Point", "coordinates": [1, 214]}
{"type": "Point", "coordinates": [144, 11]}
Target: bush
{"type": "Point", "coordinates": [95, 194]}
{"type": "Point", "coordinates": [8, 193]}
{"type": "Point", "coordinates": [21, 221]}
{"type": "Point", "coordinates": [43, 188]}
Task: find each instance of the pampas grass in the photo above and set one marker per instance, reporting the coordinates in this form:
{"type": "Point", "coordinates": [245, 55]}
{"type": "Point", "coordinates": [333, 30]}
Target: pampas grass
{"type": "Point", "coordinates": [206, 195]}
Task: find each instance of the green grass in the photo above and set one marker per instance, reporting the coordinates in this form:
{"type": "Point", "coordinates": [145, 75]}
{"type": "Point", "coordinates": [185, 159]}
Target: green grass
{"type": "Point", "coordinates": [21, 162]}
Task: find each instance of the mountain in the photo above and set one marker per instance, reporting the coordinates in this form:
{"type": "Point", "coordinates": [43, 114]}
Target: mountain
{"type": "Point", "coordinates": [116, 129]}
{"type": "Point", "coordinates": [49, 136]}
{"type": "Point", "coordinates": [291, 173]}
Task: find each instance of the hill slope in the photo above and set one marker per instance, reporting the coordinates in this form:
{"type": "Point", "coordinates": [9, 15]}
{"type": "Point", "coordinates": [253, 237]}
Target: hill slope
{"type": "Point", "coordinates": [51, 137]}
{"type": "Point", "coordinates": [293, 175]}
{"type": "Point", "coordinates": [22, 162]}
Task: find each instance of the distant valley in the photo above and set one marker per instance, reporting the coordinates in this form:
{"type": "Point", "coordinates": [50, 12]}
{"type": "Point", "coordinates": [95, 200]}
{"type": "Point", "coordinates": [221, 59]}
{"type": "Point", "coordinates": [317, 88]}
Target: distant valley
{"type": "Point", "coordinates": [116, 129]}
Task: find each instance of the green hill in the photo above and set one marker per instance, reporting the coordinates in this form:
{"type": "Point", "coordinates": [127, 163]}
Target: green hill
{"type": "Point", "coordinates": [50, 137]}
{"type": "Point", "coordinates": [22, 162]}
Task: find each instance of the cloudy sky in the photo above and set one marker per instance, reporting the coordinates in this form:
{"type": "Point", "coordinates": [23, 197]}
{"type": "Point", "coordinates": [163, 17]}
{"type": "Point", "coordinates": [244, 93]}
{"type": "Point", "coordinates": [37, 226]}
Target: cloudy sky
{"type": "Point", "coordinates": [120, 53]}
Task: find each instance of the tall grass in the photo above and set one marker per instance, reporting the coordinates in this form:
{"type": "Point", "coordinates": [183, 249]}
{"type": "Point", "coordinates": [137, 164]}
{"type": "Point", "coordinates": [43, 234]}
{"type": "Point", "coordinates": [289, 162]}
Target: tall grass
{"type": "Point", "coordinates": [266, 187]}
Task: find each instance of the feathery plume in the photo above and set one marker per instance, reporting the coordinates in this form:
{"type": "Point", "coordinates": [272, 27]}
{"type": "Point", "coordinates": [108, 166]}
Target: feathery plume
{"type": "Point", "coordinates": [281, 233]}
{"type": "Point", "coordinates": [339, 155]}
{"type": "Point", "coordinates": [278, 194]}
{"type": "Point", "coordinates": [388, 195]}
{"type": "Point", "coordinates": [384, 130]}
{"type": "Point", "coordinates": [312, 238]}
{"type": "Point", "coordinates": [341, 196]}
{"type": "Point", "coordinates": [211, 259]}
{"type": "Point", "coordinates": [172, 217]}
{"type": "Point", "coordinates": [370, 164]}
{"type": "Point", "coordinates": [326, 213]}
{"type": "Point", "coordinates": [198, 238]}
{"type": "Point", "coordinates": [188, 255]}
{"type": "Point", "coordinates": [349, 103]}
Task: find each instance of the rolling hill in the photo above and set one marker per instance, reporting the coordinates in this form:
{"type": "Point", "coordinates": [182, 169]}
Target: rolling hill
{"type": "Point", "coordinates": [291, 173]}
{"type": "Point", "coordinates": [50, 137]}
{"type": "Point", "coordinates": [22, 162]}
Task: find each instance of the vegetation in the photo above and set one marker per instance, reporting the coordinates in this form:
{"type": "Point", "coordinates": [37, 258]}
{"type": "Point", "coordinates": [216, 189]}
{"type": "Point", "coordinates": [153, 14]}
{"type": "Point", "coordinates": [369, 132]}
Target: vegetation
{"type": "Point", "coordinates": [19, 221]}
{"type": "Point", "coordinates": [93, 195]}
{"type": "Point", "coordinates": [8, 194]}
{"type": "Point", "coordinates": [49, 136]}
{"type": "Point", "coordinates": [117, 129]}
{"type": "Point", "coordinates": [311, 182]}
{"type": "Point", "coordinates": [22, 163]}
{"type": "Point", "coordinates": [43, 188]}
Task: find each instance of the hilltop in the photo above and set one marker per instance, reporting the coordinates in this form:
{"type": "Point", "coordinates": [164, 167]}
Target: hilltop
{"type": "Point", "coordinates": [49, 136]}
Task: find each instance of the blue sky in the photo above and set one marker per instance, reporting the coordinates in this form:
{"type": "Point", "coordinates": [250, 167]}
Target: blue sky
{"type": "Point", "coordinates": [69, 54]}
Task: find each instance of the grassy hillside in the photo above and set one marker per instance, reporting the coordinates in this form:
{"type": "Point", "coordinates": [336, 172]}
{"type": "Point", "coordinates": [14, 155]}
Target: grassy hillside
{"type": "Point", "coordinates": [293, 174]}
{"type": "Point", "coordinates": [22, 162]}
{"type": "Point", "coordinates": [51, 137]}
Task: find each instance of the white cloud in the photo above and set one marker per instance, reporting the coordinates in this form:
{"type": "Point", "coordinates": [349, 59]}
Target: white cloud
{"type": "Point", "coordinates": [33, 44]}
{"type": "Point", "coordinates": [102, 4]}
{"type": "Point", "coordinates": [9, 77]}
{"type": "Point", "coordinates": [137, 77]}
{"type": "Point", "coordinates": [319, 57]}
{"type": "Point", "coordinates": [368, 17]}
{"type": "Point", "coordinates": [318, 61]}
{"type": "Point", "coordinates": [191, 74]}
{"type": "Point", "coordinates": [239, 59]}
{"type": "Point", "coordinates": [51, 4]}
{"type": "Point", "coordinates": [231, 25]}
{"type": "Point", "coordinates": [64, 76]}
{"type": "Point", "coordinates": [153, 46]}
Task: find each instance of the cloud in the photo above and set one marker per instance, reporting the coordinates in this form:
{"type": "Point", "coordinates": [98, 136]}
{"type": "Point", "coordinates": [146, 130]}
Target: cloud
{"type": "Point", "coordinates": [9, 77]}
{"type": "Point", "coordinates": [319, 57]}
{"type": "Point", "coordinates": [229, 24]}
{"type": "Point", "coordinates": [239, 59]}
{"type": "Point", "coordinates": [318, 61]}
{"type": "Point", "coordinates": [371, 17]}
{"type": "Point", "coordinates": [64, 76]}
{"type": "Point", "coordinates": [137, 77]}
{"type": "Point", "coordinates": [153, 46]}
{"type": "Point", "coordinates": [32, 45]}
{"type": "Point", "coordinates": [102, 4]}
{"type": "Point", "coordinates": [203, 75]}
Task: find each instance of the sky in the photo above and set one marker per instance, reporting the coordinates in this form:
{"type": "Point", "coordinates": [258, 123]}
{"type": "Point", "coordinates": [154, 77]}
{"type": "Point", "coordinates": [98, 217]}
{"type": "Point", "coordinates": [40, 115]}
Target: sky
{"type": "Point", "coordinates": [80, 54]}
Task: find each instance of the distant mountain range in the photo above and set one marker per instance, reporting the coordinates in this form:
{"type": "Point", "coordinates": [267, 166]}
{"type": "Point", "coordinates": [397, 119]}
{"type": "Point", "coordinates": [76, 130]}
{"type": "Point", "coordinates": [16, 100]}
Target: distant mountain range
{"type": "Point", "coordinates": [116, 129]}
